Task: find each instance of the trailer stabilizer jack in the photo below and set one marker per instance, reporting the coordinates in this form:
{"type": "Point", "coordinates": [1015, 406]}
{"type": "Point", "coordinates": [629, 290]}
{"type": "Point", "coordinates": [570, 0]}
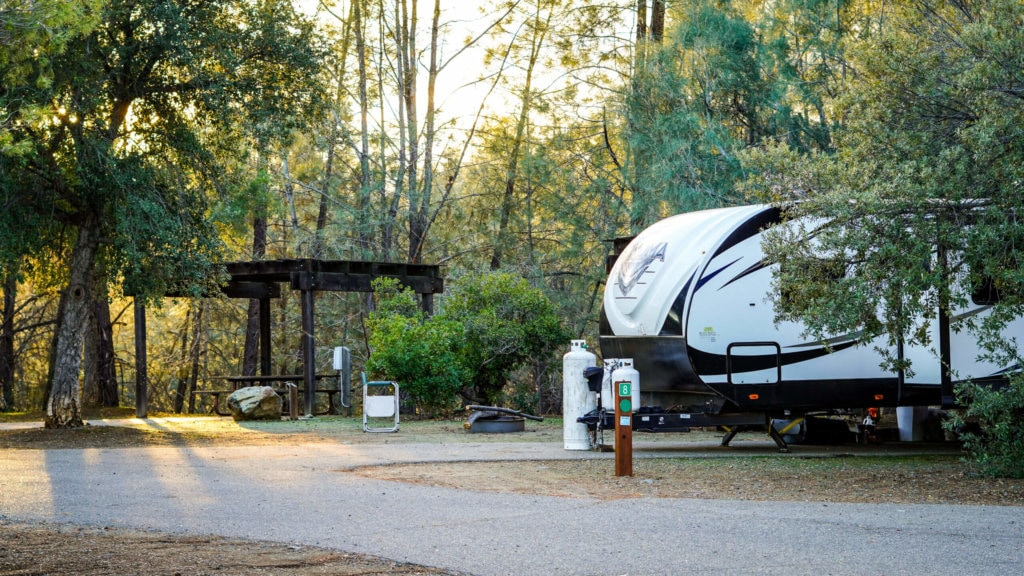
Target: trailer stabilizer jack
{"type": "Point", "coordinates": [775, 435]}
{"type": "Point", "coordinates": [732, 423]}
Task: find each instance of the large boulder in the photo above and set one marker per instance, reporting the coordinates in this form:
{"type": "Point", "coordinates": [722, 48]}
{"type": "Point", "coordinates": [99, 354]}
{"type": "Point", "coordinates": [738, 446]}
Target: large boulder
{"type": "Point", "coordinates": [255, 403]}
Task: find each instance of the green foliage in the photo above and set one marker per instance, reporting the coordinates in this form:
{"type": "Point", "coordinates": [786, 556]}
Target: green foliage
{"type": "Point", "coordinates": [726, 78]}
{"type": "Point", "coordinates": [421, 355]}
{"type": "Point", "coordinates": [998, 446]}
{"type": "Point", "coordinates": [164, 242]}
{"type": "Point", "coordinates": [141, 125]}
{"type": "Point", "coordinates": [506, 324]}
{"type": "Point", "coordinates": [491, 325]}
{"type": "Point", "coordinates": [33, 34]}
{"type": "Point", "coordinates": [681, 141]}
{"type": "Point", "coordinates": [919, 205]}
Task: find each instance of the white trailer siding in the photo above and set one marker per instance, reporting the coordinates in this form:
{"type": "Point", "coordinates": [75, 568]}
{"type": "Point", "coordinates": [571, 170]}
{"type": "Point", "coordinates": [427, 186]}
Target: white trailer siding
{"type": "Point", "coordinates": [689, 301]}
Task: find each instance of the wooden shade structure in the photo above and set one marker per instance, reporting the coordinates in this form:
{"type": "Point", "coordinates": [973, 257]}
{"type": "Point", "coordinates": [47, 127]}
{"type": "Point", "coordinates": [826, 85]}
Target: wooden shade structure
{"type": "Point", "coordinates": [262, 279]}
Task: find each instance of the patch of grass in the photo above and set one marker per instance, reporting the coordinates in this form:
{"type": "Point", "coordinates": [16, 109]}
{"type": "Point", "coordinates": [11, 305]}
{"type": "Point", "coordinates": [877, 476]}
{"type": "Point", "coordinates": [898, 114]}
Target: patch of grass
{"type": "Point", "coordinates": [822, 464]}
{"type": "Point", "coordinates": [88, 437]}
{"type": "Point", "coordinates": [88, 413]}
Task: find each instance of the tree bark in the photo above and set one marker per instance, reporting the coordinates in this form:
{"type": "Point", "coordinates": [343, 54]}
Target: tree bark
{"type": "Point", "coordinates": [250, 354]}
{"type": "Point", "coordinates": [289, 194]}
{"type": "Point", "coordinates": [641, 20]}
{"type": "Point", "coordinates": [90, 392]}
{"type": "Point", "coordinates": [181, 377]}
{"type": "Point", "coordinates": [503, 241]}
{"type": "Point", "coordinates": [319, 248]}
{"type": "Point", "coordinates": [363, 193]}
{"type": "Point", "coordinates": [408, 79]}
{"type": "Point", "coordinates": [106, 381]}
{"type": "Point", "coordinates": [7, 341]}
{"type": "Point", "coordinates": [63, 405]}
{"type": "Point", "coordinates": [100, 386]}
{"type": "Point", "coordinates": [657, 21]}
{"type": "Point", "coordinates": [419, 219]}
{"type": "Point", "coordinates": [195, 352]}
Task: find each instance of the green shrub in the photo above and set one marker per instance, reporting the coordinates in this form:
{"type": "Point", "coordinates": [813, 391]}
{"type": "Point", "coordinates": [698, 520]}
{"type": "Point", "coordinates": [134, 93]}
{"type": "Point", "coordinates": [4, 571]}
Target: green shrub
{"type": "Point", "coordinates": [507, 323]}
{"type": "Point", "coordinates": [998, 448]}
{"type": "Point", "coordinates": [420, 354]}
{"type": "Point", "coordinates": [490, 325]}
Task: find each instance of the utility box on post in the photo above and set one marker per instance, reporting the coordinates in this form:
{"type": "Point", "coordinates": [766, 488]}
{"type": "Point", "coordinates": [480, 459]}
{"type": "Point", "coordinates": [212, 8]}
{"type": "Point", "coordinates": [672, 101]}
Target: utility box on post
{"type": "Point", "coordinates": [343, 364]}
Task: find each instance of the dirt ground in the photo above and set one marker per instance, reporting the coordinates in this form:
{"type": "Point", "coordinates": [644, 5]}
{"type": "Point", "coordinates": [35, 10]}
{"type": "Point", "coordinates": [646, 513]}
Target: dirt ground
{"type": "Point", "coordinates": [846, 477]}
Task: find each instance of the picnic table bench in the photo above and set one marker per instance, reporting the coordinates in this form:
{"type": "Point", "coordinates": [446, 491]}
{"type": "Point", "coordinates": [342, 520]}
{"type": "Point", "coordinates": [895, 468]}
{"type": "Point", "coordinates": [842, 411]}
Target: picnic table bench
{"type": "Point", "coordinates": [333, 393]}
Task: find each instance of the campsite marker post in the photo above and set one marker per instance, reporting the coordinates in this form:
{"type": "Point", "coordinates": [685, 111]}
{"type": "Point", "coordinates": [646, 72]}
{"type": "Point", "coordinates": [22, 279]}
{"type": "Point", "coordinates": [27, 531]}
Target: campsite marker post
{"type": "Point", "coordinates": [624, 428]}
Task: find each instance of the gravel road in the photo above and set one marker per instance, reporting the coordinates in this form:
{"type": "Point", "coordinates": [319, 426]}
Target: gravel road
{"type": "Point", "coordinates": [302, 495]}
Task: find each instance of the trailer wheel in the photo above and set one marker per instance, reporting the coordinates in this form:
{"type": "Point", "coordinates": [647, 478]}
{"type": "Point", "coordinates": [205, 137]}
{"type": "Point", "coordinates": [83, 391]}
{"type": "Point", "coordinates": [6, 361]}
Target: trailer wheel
{"type": "Point", "coordinates": [819, 431]}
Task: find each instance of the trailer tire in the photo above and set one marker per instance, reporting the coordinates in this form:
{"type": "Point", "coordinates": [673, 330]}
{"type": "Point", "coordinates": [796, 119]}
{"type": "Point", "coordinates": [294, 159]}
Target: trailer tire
{"type": "Point", "coordinates": [820, 431]}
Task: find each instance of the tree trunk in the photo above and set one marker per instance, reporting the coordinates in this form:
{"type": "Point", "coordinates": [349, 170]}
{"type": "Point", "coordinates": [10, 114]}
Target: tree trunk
{"type": "Point", "coordinates": [90, 392]}
{"type": "Point", "coordinates": [194, 353]}
{"type": "Point", "coordinates": [419, 220]}
{"type": "Point", "coordinates": [7, 341]}
{"type": "Point", "coordinates": [181, 377]}
{"type": "Point", "coordinates": [408, 79]}
{"type": "Point", "coordinates": [503, 241]}
{"type": "Point", "coordinates": [363, 193]}
{"type": "Point", "coordinates": [106, 380]}
{"type": "Point", "coordinates": [63, 409]}
{"type": "Point", "coordinates": [657, 21]}
{"type": "Point", "coordinates": [641, 20]}
{"type": "Point", "coordinates": [250, 354]}
{"type": "Point", "coordinates": [289, 194]}
{"type": "Point", "coordinates": [100, 386]}
{"type": "Point", "coordinates": [319, 249]}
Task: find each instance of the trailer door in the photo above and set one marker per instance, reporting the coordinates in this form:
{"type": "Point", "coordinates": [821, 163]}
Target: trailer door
{"type": "Point", "coordinates": [754, 363]}
{"type": "Point", "coordinates": [754, 369]}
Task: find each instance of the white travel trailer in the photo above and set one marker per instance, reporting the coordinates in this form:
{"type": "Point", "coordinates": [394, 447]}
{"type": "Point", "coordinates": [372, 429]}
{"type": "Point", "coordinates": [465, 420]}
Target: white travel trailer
{"type": "Point", "coordinates": [688, 301]}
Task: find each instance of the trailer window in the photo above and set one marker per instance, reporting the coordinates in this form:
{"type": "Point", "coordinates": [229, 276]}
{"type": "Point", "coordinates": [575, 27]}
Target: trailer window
{"type": "Point", "coordinates": [831, 270]}
{"type": "Point", "coordinates": [985, 292]}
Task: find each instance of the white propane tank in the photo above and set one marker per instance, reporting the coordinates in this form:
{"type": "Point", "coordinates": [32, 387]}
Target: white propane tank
{"type": "Point", "coordinates": [910, 421]}
{"type": "Point", "coordinates": [577, 399]}
{"type": "Point", "coordinates": [626, 373]}
{"type": "Point", "coordinates": [607, 394]}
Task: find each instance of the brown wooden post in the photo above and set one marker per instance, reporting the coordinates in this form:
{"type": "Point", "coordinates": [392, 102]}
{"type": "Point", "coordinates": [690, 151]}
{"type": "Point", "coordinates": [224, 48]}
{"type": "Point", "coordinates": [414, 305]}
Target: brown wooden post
{"type": "Point", "coordinates": [308, 341]}
{"type": "Point", "coordinates": [265, 354]}
{"type": "Point", "coordinates": [623, 428]}
{"type": "Point", "coordinates": [141, 384]}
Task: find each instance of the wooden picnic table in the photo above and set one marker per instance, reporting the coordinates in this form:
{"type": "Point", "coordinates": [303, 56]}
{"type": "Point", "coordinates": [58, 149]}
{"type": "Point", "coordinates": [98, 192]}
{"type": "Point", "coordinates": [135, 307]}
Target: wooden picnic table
{"type": "Point", "coordinates": [333, 394]}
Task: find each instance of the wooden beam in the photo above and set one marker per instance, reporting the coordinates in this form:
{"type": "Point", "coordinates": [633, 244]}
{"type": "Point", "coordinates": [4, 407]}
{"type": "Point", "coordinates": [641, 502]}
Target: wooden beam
{"type": "Point", "coordinates": [308, 349]}
{"type": "Point", "coordinates": [348, 282]}
{"type": "Point", "coordinates": [257, 290]}
{"type": "Point", "coordinates": [141, 385]}
{"type": "Point", "coordinates": [338, 275]}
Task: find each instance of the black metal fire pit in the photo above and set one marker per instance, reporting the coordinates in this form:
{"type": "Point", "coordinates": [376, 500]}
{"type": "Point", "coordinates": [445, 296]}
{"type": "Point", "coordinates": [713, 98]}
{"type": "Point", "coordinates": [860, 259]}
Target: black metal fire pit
{"type": "Point", "coordinates": [495, 420]}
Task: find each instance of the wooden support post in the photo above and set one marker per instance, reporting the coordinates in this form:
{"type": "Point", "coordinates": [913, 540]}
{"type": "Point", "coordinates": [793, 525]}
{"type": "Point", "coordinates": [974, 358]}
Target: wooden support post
{"type": "Point", "coordinates": [265, 353]}
{"type": "Point", "coordinates": [141, 385]}
{"type": "Point", "coordinates": [624, 428]}
{"type": "Point", "coordinates": [293, 401]}
{"type": "Point", "coordinates": [308, 349]}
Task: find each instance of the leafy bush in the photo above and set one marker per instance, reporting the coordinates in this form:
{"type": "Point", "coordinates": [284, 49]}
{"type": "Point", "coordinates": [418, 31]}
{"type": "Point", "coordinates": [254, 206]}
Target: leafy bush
{"type": "Point", "coordinates": [506, 323]}
{"type": "Point", "coordinates": [491, 324]}
{"type": "Point", "coordinates": [998, 448]}
{"type": "Point", "coordinates": [419, 354]}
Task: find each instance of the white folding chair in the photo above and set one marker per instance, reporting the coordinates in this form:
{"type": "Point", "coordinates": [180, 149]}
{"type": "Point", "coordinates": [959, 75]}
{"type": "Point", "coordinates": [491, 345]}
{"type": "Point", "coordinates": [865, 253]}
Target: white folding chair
{"type": "Point", "coordinates": [383, 403]}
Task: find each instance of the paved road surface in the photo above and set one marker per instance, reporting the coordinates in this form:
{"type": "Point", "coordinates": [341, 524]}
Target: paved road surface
{"type": "Point", "coordinates": [299, 495]}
